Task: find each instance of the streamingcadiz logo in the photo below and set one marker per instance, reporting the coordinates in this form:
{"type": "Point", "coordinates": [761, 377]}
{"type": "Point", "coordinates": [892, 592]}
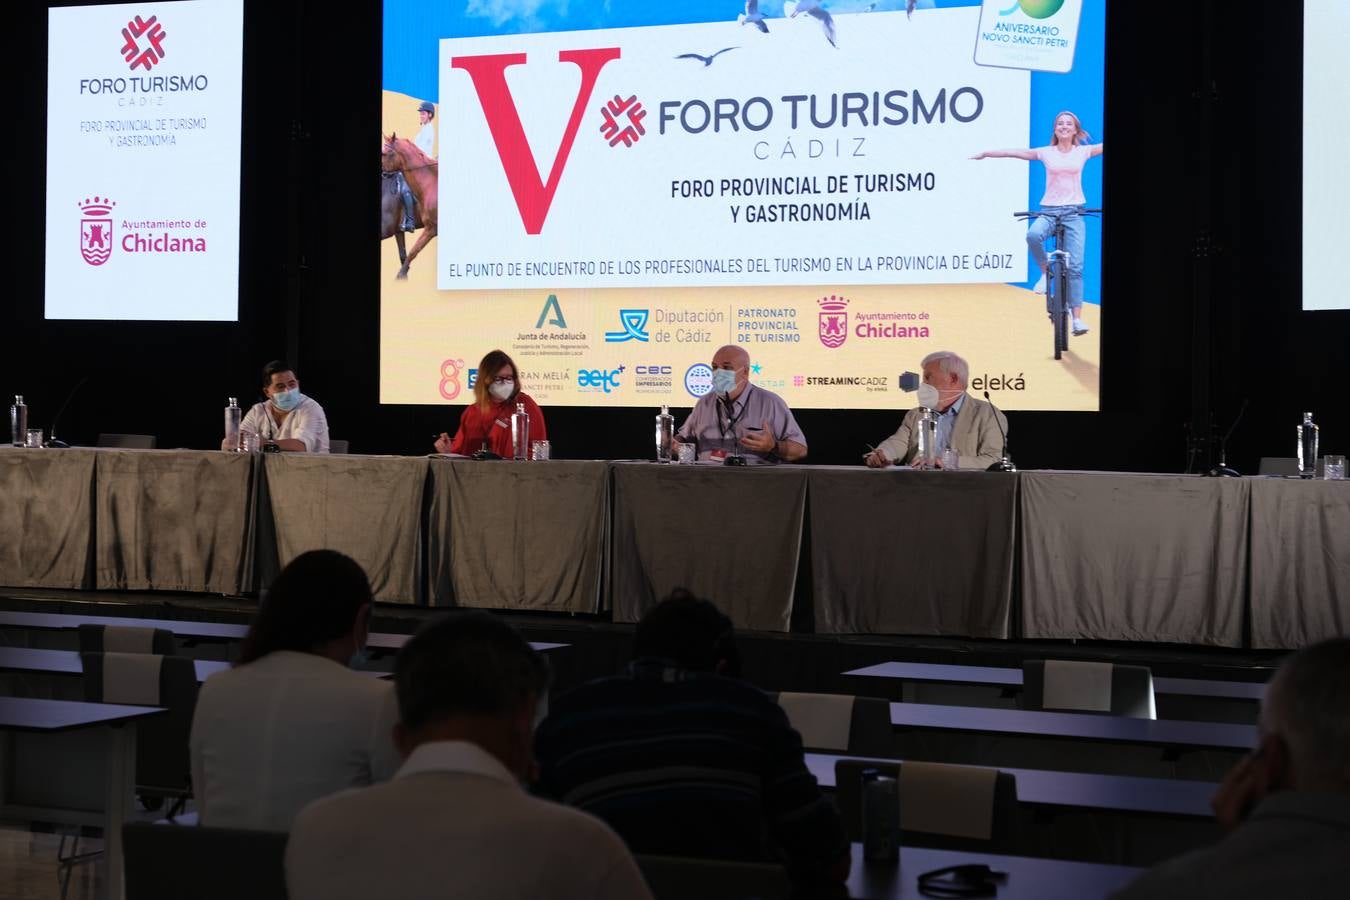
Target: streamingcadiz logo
{"type": "Point", "coordinates": [1034, 9]}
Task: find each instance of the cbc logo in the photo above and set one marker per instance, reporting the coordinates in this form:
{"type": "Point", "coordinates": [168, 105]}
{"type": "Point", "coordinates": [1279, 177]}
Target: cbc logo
{"type": "Point", "coordinates": [598, 378]}
{"type": "Point", "coordinates": [653, 370]}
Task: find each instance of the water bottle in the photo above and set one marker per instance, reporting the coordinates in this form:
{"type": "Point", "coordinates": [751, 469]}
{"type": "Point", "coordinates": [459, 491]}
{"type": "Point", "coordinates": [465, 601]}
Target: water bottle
{"type": "Point", "coordinates": [927, 455]}
{"type": "Point", "coordinates": [233, 417]}
{"type": "Point", "coordinates": [18, 422]}
{"type": "Point", "coordinates": [880, 817]}
{"type": "Point", "coordinates": [520, 433]}
{"type": "Point", "coordinates": [1307, 447]}
{"type": "Point", "coordinates": [665, 433]}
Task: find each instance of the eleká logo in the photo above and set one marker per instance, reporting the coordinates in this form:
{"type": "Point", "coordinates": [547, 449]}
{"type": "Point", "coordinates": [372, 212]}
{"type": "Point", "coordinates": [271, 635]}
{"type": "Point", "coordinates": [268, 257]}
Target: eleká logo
{"type": "Point", "coordinates": [599, 379]}
{"type": "Point", "coordinates": [96, 230]}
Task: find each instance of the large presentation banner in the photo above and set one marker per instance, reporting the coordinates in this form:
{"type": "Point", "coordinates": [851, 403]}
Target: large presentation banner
{"type": "Point", "coordinates": [143, 143]}
{"type": "Point", "coordinates": [812, 181]}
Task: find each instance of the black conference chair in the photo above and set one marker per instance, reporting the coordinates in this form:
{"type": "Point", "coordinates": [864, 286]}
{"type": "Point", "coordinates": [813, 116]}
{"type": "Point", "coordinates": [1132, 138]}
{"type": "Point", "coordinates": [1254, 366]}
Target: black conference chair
{"type": "Point", "coordinates": [680, 878]}
{"type": "Point", "coordinates": [125, 639]}
{"type": "Point", "coordinates": [1131, 688]}
{"type": "Point", "coordinates": [169, 862]}
{"type": "Point", "coordinates": [337, 446]}
{"type": "Point", "coordinates": [973, 802]}
{"type": "Point", "coordinates": [163, 767]}
{"type": "Point", "coordinates": [840, 723]}
{"type": "Point", "coordinates": [127, 441]}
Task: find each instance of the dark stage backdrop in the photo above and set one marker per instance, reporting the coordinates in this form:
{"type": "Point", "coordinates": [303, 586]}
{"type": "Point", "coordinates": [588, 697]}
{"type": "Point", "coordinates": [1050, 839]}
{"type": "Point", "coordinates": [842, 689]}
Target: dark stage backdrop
{"type": "Point", "coordinates": [1200, 269]}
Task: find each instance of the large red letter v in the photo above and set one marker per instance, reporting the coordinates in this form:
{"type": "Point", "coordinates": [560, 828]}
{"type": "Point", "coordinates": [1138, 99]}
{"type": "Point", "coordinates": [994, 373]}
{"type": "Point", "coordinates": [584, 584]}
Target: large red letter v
{"type": "Point", "coordinates": [533, 196]}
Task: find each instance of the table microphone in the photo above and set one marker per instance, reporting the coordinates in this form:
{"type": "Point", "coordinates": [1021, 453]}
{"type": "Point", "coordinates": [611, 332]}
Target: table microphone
{"type": "Point", "coordinates": [1005, 464]}
{"type": "Point", "coordinates": [734, 458]}
{"type": "Point", "coordinates": [1222, 470]}
{"type": "Point", "coordinates": [52, 442]}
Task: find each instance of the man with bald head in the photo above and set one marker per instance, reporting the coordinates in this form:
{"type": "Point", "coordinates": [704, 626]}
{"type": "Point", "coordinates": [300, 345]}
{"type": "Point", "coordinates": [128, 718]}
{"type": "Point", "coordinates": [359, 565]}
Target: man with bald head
{"type": "Point", "coordinates": [739, 420]}
{"type": "Point", "coordinates": [1287, 804]}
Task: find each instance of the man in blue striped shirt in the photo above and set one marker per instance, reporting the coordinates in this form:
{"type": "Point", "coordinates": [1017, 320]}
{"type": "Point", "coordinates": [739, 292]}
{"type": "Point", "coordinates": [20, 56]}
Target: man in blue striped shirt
{"type": "Point", "coordinates": [682, 758]}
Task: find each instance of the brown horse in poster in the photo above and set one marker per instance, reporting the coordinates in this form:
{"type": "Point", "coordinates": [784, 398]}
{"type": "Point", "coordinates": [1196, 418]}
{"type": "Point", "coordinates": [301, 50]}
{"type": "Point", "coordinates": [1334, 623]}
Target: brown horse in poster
{"type": "Point", "coordinates": [420, 171]}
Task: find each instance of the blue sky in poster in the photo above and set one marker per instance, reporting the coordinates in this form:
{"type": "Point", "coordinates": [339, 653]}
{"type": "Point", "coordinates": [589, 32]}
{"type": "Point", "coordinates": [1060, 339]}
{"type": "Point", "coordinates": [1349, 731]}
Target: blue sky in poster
{"type": "Point", "coordinates": [412, 29]}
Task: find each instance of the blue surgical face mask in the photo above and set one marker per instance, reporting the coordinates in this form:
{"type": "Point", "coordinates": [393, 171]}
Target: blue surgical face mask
{"type": "Point", "coordinates": [723, 381]}
{"type": "Point", "coordinates": [286, 400]}
{"type": "Point", "coordinates": [359, 657]}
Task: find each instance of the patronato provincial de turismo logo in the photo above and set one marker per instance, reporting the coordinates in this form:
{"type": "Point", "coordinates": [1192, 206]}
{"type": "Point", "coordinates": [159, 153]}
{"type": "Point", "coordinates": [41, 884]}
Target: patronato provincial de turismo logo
{"type": "Point", "coordinates": [96, 230]}
{"type": "Point", "coordinates": [833, 322]}
{"type": "Point", "coordinates": [143, 43]}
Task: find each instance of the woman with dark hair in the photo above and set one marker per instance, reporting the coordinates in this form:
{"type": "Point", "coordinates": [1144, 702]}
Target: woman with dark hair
{"type": "Point", "coordinates": [486, 423]}
{"type": "Point", "coordinates": [291, 722]}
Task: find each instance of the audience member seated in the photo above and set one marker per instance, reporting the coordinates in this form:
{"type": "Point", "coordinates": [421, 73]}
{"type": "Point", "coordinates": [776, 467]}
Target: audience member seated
{"type": "Point", "coordinates": [1287, 804]}
{"type": "Point", "coordinates": [455, 822]}
{"type": "Point", "coordinates": [291, 722]}
{"type": "Point", "coordinates": [683, 758]}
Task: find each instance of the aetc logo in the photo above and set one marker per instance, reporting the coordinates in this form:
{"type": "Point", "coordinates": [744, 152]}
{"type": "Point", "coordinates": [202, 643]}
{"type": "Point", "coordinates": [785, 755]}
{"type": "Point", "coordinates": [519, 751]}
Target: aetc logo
{"type": "Point", "coordinates": [450, 370]}
{"type": "Point", "coordinates": [833, 326]}
{"type": "Point", "coordinates": [698, 380]}
{"type": "Point", "coordinates": [1035, 9]}
{"type": "Point", "coordinates": [634, 322]}
{"type": "Point", "coordinates": [96, 230]}
{"type": "Point", "coordinates": [599, 379]}
{"type": "Point", "coordinates": [143, 43]}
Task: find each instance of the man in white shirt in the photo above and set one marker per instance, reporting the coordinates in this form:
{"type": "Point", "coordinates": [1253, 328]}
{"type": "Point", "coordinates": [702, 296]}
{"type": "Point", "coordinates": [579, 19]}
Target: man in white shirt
{"type": "Point", "coordinates": [455, 821]}
{"type": "Point", "coordinates": [287, 419]}
{"type": "Point", "coordinates": [291, 722]}
{"type": "Point", "coordinates": [1287, 804]}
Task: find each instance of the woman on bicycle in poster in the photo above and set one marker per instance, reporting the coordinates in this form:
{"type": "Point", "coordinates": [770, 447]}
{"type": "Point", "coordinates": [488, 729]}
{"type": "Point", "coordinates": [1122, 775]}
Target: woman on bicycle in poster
{"type": "Point", "coordinates": [1064, 159]}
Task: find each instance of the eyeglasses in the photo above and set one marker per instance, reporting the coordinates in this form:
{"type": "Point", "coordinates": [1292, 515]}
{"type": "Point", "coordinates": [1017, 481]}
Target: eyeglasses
{"type": "Point", "coordinates": [502, 379]}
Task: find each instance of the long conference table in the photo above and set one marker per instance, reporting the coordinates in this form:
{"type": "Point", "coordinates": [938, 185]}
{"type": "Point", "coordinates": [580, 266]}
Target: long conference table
{"type": "Point", "coordinates": [1244, 562]}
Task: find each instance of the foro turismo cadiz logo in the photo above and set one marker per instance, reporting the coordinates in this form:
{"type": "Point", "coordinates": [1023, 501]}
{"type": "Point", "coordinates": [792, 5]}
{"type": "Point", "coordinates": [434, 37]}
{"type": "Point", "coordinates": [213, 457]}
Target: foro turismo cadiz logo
{"type": "Point", "coordinates": [96, 230]}
{"type": "Point", "coordinates": [698, 380]}
{"type": "Point", "coordinates": [622, 121]}
{"type": "Point", "coordinates": [634, 322]}
{"type": "Point", "coordinates": [143, 43]}
{"type": "Point", "coordinates": [833, 323]}
{"type": "Point", "coordinates": [1035, 9]}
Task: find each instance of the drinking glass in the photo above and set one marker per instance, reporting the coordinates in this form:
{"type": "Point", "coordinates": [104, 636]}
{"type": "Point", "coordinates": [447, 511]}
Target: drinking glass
{"type": "Point", "coordinates": [1333, 468]}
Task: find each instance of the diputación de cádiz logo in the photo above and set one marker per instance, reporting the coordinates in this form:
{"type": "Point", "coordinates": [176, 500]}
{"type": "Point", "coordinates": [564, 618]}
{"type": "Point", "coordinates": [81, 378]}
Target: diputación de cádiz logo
{"type": "Point", "coordinates": [96, 230]}
{"type": "Point", "coordinates": [1035, 9]}
{"type": "Point", "coordinates": [143, 43]}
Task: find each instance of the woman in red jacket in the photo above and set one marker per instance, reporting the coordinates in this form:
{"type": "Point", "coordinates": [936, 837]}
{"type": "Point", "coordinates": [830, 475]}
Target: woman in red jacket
{"type": "Point", "coordinates": [486, 423]}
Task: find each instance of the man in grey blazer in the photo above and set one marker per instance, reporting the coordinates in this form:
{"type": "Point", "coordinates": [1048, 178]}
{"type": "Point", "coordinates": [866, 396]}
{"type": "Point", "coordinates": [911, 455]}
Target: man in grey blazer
{"type": "Point", "coordinates": [964, 423]}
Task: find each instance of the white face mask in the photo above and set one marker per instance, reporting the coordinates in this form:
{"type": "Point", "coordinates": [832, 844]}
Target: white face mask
{"type": "Point", "coordinates": [928, 396]}
{"type": "Point", "coordinates": [502, 390]}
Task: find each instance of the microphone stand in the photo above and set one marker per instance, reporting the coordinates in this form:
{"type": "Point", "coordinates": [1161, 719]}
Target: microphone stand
{"type": "Point", "coordinates": [1222, 470]}
{"type": "Point", "coordinates": [52, 443]}
{"type": "Point", "coordinates": [1005, 464]}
